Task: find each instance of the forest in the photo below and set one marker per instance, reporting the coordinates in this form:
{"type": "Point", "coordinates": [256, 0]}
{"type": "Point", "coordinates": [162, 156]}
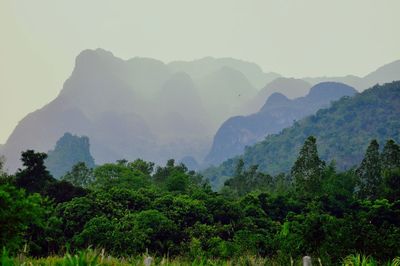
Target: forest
{"type": "Point", "coordinates": [343, 131]}
{"type": "Point", "coordinates": [127, 209]}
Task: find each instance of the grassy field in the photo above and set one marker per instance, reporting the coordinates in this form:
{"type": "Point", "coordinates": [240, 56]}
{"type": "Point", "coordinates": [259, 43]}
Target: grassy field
{"type": "Point", "coordinates": [92, 258]}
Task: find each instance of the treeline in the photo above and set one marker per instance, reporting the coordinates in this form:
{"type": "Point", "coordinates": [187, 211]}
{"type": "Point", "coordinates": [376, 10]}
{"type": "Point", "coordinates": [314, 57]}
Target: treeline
{"type": "Point", "coordinates": [130, 207]}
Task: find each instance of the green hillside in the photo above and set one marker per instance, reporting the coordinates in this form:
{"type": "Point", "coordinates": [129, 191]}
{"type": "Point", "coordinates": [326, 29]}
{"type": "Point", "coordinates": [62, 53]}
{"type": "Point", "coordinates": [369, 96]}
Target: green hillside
{"type": "Point", "coordinates": [343, 132]}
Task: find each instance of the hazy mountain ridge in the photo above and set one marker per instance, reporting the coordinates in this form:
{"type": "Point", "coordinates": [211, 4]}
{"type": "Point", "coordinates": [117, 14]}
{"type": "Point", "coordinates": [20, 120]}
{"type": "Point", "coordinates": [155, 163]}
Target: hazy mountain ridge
{"type": "Point", "coordinates": [207, 65]}
{"type": "Point", "coordinates": [277, 113]}
{"type": "Point", "coordinates": [217, 84]}
{"type": "Point", "coordinates": [133, 108]}
{"type": "Point", "coordinates": [290, 87]}
{"type": "Point", "coordinates": [386, 73]}
{"type": "Point", "coordinates": [142, 107]}
{"type": "Point", "coordinates": [297, 87]}
{"type": "Point", "coordinates": [343, 132]}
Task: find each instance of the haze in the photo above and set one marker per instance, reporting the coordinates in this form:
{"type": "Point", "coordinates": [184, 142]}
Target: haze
{"type": "Point", "coordinates": [40, 39]}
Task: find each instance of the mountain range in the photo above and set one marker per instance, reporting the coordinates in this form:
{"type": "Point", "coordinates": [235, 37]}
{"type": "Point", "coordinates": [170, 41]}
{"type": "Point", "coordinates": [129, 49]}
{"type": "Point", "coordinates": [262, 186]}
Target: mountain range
{"type": "Point", "coordinates": [139, 107]}
{"type": "Point", "coordinates": [290, 87]}
{"type": "Point", "coordinates": [343, 132]}
{"type": "Point", "coordinates": [387, 73]}
{"type": "Point", "coordinates": [277, 113]}
{"type": "Point", "coordinates": [144, 108]}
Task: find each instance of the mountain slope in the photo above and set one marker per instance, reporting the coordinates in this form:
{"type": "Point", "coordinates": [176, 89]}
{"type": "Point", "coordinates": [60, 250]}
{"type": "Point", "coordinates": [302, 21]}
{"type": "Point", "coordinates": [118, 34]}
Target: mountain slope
{"type": "Point", "coordinates": [277, 113]}
{"type": "Point", "coordinates": [343, 132]}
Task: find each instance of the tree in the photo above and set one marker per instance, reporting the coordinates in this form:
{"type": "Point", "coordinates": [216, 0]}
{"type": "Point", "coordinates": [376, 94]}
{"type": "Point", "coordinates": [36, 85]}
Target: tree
{"type": "Point", "coordinates": [2, 162]}
{"type": "Point", "coordinates": [4, 177]}
{"type": "Point", "coordinates": [18, 212]}
{"type": "Point", "coordinates": [35, 177]}
{"type": "Point", "coordinates": [391, 170]}
{"type": "Point", "coordinates": [143, 166]}
{"type": "Point", "coordinates": [390, 155]}
{"type": "Point", "coordinates": [80, 175]}
{"type": "Point", "coordinates": [245, 181]}
{"type": "Point", "coordinates": [177, 181]}
{"type": "Point", "coordinates": [62, 191]}
{"type": "Point", "coordinates": [308, 168]}
{"type": "Point", "coordinates": [369, 172]}
{"type": "Point", "coordinates": [391, 184]}
{"type": "Point", "coordinates": [75, 214]}
{"type": "Point", "coordinates": [111, 175]}
{"type": "Point", "coordinates": [135, 233]}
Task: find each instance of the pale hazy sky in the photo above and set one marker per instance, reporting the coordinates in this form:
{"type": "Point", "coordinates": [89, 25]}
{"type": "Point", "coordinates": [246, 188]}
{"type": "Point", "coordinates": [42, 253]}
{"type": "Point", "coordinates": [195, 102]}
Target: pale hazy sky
{"type": "Point", "coordinates": [39, 39]}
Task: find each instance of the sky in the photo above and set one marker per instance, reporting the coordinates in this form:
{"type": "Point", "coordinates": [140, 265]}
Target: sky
{"type": "Point", "coordinates": [40, 39]}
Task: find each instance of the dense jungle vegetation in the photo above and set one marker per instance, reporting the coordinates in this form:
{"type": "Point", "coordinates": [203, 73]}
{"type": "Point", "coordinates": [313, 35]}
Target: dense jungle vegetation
{"type": "Point", "coordinates": [132, 208]}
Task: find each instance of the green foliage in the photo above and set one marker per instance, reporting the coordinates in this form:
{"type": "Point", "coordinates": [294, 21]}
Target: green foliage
{"type": "Point", "coordinates": [391, 155]}
{"type": "Point", "coordinates": [18, 213]}
{"type": "Point", "coordinates": [369, 172]}
{"type": "Point", "coordinates": [129, 209]}
{"type": "Point", "coordinates": [391, 184]}
{"type": "Point", "coordinates": [308, 168]}
{"type": "Point", "coordinates": [82, 258]}
{"type": "Point", "coordinates": [358, 260]}
{"type": "Point", "coordinates": [118, 175]}
{"type": "Point", "coordinates": [343, 132]}
{"type": "Point", "coordinates": [91, 257]}
{"type": "Point", "coordinates": [245, 181]}
{"type": "Point", "coordinates": [35, 177]}
{"type": "Point", "coordinates": [80, 175]}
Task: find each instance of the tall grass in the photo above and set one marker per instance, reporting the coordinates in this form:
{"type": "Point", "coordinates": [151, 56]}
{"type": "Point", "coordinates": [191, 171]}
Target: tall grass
{"type": "Point", "coordinates": [362, 260]}
{"type": "Point", "coordinates": [91, 257]}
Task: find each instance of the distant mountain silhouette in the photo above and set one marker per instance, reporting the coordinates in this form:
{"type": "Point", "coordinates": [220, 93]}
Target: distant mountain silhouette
{"type": "Point", "coordinates": [207, 65]}
{"type": "Point", "coordinates": [291, 87]}
{"type": "Point", "coordinates": [69, 150]}
{"type": "Point", "coordinates": [139, 107]}
{"type": "Point", "coordinates": [277, 113]}
{"type": "Point", "coordinates": [224, 92]}
{"type": "Point", "coordinates": [387, 73]}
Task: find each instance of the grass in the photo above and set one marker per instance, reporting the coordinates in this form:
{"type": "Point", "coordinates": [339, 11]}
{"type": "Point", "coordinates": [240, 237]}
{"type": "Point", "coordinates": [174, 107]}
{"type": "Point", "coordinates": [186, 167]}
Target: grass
{"type": "Point", "coordinates": [359, 260]}
{"type": "Point", "coordinates": [91, 257]}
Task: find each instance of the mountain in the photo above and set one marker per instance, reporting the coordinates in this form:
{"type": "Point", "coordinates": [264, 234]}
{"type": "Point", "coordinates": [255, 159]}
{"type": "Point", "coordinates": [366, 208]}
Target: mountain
{"type": "Point", "coordinates": [291, 87]}
{"type": "Point", "coordinates": [224, 92]}
{"type": "Point", "coordinates": [138, 108]}
{"type": "Point", "coordinates": [294, 88]}
{"type": "Point", "coordinates": [207, 65]}
{"type": "Point", "coordinates": [343, 132]}
{"type": "Point", "coordinates": [387, 73]}
{"type": "Point", "coordinates": [69, 150]}
{"type": "Point", "coordinates": [277, 113]}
